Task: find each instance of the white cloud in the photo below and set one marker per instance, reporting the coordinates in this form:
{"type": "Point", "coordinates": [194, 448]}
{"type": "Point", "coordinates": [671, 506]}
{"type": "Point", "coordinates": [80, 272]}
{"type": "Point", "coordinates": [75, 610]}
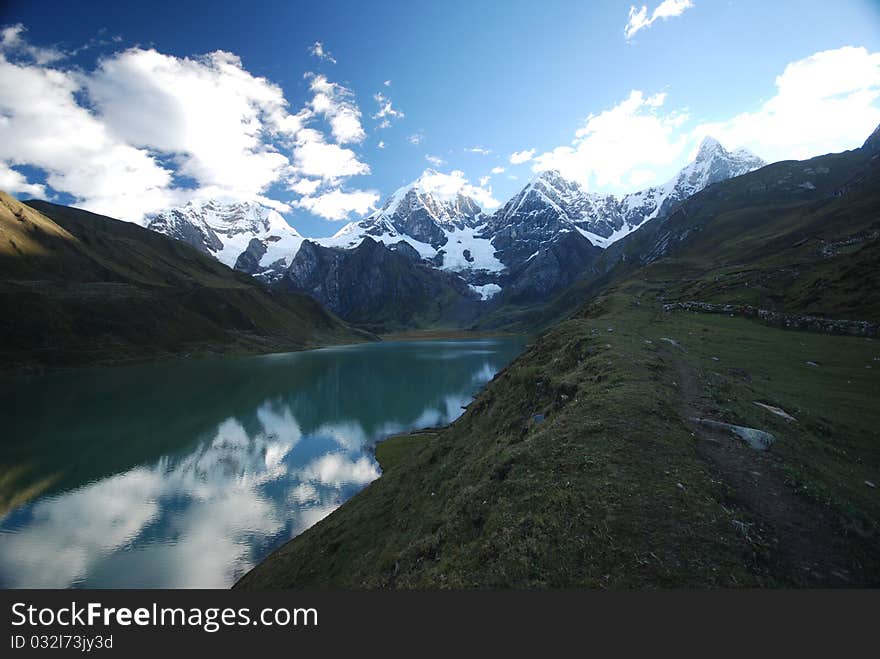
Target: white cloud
{"type": "Point", "coordinates": [447, 186]}
{"type": "Point", "coordinates": [15, 182]}
{"type": "Point", "coordinates": [312, 156]}
{"type": "Point", "coordinates": [181, 107]}
{"type": "Point", "coordinates": [12, 42]}
{"type": "Point", "coordinates": [639, 19]}
{"type": "Point", "coordinates": [387, 83]}
{"type": "Point", "coordinates": [632, 135]}
{"type": "Point", "coordinates": [519, 157]}
{"type": "Point", "coordinates": [823, 103]}
{"type": "Point", "coordinates": [381, 145]}
{"type": "Point", "coordinates": [497, 170]}
{"type": "Point", "coordinates": [336, 104]}
{"type": "Point", "coordinates": [387, 113]}
{"type": "Point", "coordinates": [45, 127]}
{"type": "Point", "coordinates": [415, 139]}
{"type": "Point", "coordinates": [317, 49]}
{"type": "Point", "coordinates": [337, 204]}
{"type": "Point", "coordinates": [437, 161]}
{"type": "Point", "coordinates": [145, 131]}
{"type": "Point", "coordinates": [827, 102]}
{"type": "Point", "coordinates": [484, 180]}
{"type": "Point", "coordinates": [305, 186]}
{"type": "Point", "coordinates": [479, 150]}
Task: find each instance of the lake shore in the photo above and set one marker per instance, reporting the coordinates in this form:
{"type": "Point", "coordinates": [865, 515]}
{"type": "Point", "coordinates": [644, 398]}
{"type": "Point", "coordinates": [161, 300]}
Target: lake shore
{"type": "Point", "coordinates": [438, 334]}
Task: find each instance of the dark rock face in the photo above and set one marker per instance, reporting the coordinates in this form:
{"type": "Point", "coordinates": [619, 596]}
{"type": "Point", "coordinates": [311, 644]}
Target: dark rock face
{"type": "Point", "coordinates": [555, 265]}
{"type": "Point", "coordinates": [378, 287]}
{"type": "Point", "coordinates": [872, 144]}
{"type": "Point", "coordinates": [249, 260]}
{"type": "Point", "coordinates": [405, 249]}
{"type": "Point", "coordinates": [416, 212]}
{"type": "Point", "coordinates": [174, 224]}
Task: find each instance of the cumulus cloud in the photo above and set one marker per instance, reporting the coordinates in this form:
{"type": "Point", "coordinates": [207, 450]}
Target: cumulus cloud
{"type": "Point", "coordinates": [437, 161]}
{"type": "Point", "coordinates": [318, 50]}
{"type": "Point", "coordinates": [827, 102]}
{"type": "Point", "coordinates": [381, 145]}
{"type": "Point", "coordinates": [484, 180]}
{"type": "Point", "coordinates": [44, 126]}
{"type": "Point", "coordinates": [416, 138]}
{"type": "Point", "coordinates": [15, 182]}
{"type": "Point", "coordinates": [12, 41]}
{"type": "Point", "coordinates": [639, 18]}
{"type": "Point", "coordinates": [145, 131]}
{"type": "Point", "coordinates": [336, 104]}
{"type": "Point", "coordinates": [519, 157]}
{"type": "Point", "coordinates": [305, 186]}
{"type": "Point", "coordinates": [338, 204]}
{"type": "Point", "coordinates": [823, 103]}
{"type": "Point", "coordinates": [633, 135]}
{"type": "Point", "coordinates": [479, 150]}
{"type": "Point", "coordinates": [182, 106]}
{"type": "Point", "coordinates": [313, 156]}
{"type": "Point", "coordinates": [497, 170]}
{"type": "Point", "coordinates": [387, 113]}
{"type": "Point", "coordinates": [447, 186]}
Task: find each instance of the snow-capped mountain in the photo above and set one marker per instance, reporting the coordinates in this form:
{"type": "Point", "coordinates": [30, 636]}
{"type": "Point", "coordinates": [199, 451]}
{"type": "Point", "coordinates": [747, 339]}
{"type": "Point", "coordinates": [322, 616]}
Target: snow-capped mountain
{"type": "Point", "coordinates": [539, 241]}
{"type": "Point", "coordinates": [551, 204]}
{"type": "Point", "coordinates": [243, 235]}
{"type": "Point", "coordinates": [444, 228]}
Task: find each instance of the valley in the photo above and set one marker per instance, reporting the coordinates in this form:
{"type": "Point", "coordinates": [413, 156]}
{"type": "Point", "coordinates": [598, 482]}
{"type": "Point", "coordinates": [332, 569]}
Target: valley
{"type": "Point", "coordinates": [699, 408]}
{"type": "Point", "coordinates": [600, 457]}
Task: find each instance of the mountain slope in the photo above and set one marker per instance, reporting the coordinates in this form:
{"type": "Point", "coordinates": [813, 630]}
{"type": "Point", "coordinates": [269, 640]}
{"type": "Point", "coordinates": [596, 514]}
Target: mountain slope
{"type": "Point", "coordinates": [584, 463]}
{"type": "Point", "coordinates": [786, 237]}
{"type": "Point", "coordinates": [87, 288]}
{"type": "Point", "coordinates": [380, 287]}
{"type": "Point", "coordinates": [244, 236]}
{"type": "Point", "coordinates": [552, 209]}
{"type": "Point", "coordinates": [443, 227]}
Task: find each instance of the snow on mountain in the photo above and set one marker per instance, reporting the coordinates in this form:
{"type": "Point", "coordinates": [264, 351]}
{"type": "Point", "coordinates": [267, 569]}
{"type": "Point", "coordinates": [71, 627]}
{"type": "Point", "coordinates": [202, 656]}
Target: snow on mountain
{"type": "Point", "coordinates": [551, 205]}
{"type": "Point", "coordinates": [531, 244]}
{"type": "Point", "coordinates": [444, 227]}
{"type": "Point", "coordinates": [242, 235]}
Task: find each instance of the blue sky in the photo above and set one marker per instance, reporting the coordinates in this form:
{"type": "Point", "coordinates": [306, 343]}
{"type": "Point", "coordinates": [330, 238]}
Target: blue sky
{"type": "Point", "coordinates": [558, 82]}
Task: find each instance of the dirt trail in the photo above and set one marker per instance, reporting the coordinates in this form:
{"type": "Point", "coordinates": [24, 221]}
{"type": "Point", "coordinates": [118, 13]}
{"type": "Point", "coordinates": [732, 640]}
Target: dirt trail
{"type": "Point", "coordinates": [803, 542]}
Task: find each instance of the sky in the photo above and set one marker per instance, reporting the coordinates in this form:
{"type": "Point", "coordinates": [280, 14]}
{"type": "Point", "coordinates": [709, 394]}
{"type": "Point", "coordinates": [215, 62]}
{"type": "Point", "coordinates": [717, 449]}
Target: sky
{"type": "Point", "coordinates": [321, 110]}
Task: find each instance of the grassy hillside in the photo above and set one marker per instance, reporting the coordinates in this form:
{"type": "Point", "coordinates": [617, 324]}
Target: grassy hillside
{"type": "Point", "coordinates": [795, 236]}
{"type": "Point", "coordinates": [616, 487]}
{"type": "Point", "coordinates": [581, 464]}
{"type": "Point", "coordinates": [81, 288]}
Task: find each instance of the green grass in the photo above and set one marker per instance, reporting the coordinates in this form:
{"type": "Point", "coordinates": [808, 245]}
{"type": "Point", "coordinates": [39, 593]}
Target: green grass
{"type": "Point", "coordinates": [616, 487]}
{"type": "Point", "coordinates": [392, 451]}
{"type": "Point", "coordinates": [78, 288]}
{"type": "Point", "coordinates": [611, 490]}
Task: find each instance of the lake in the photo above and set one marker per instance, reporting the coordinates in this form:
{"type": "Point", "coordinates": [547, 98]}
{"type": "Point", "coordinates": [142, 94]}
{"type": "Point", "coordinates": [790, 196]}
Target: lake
{"type": "Point", "coordinates": [186, 473]}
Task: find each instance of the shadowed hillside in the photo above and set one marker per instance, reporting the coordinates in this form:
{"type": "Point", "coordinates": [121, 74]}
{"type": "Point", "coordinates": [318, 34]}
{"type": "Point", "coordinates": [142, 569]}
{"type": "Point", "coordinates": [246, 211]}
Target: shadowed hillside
{"type": "Point", "coordinates": [82, 288]}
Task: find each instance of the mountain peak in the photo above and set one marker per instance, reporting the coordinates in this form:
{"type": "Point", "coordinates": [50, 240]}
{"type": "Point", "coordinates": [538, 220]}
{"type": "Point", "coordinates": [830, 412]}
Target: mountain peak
{"type": "Point", "coordinates": [873, 141]}
{"type": "Point", "coordinates": [709, 147]}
